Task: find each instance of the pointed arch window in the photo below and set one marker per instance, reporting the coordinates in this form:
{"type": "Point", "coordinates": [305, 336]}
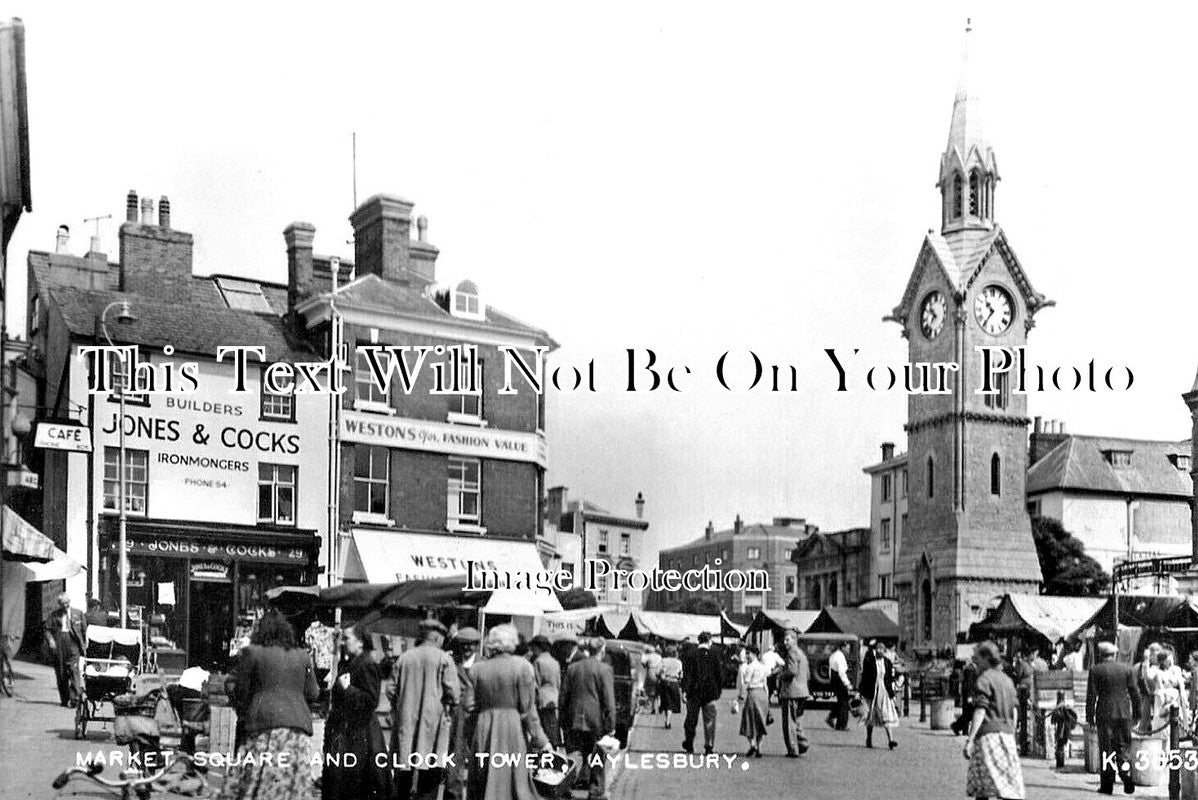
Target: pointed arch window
{"type": "Point", "coordinates": [925, 600]}
{"type": "Point", "coordinates": [931, 477]}
{"type": "Point", "coordinates": [974, 194]}
{"type": "Point", "coordinates": [958, 196]}
{"type": "Point", "coordinates": [995, 475]}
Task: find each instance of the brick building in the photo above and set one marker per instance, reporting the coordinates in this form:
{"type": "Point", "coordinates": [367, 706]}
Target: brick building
{"type": "Point", "coordinates": [743, 547]}
{"type": "Point", "coordinates": [591, 532]}
{"type": "Point", "coordinates": [833, 569]}
{"type": "Point", "coordinates": [426, 480]}
{"type": "Point", "coordinates": [888, 491]}
{"type": "Point", "coordinates": [969, 536]}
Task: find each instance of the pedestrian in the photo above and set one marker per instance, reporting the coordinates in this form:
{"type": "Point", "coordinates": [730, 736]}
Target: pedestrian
{"type": "Point", "coordinates": [275, 683]}
{"type": "Point", "coordinates": [504, 719]}
{"type": "Point", "coordinates": [669, 684]}
{"type": "Point", "coordinates": [772, 661]}
{"type": "Point", "coordinates": [793, 693]}
{"type": "Point", "coordinates": [66, 636]}
{"type": "Point", "coordinates": [463, 649]}
{"type": "Point", "coordinates": [1145, 672]}
{"type": "Point", "coordinates": [1074, 660]}
{"type": "Point", "coordinates": [96, 615]}
{"type": "Point", "coordinates": [753, 697]}
{"type": "Point", "coordinates": [877, 689]}
{"type": "Point", "coordinates": [549, 682]}
{"type": "Point", "coordinates": [426, 690]}
{"type": "Point", "coordinates": [651, 664]}
{"type": "Point", "coordinates": [969, 685]}
{"type": "Point", "coordinates": [589, 714]}
{"type": "Point", "coordinates": [1112, 703]}
{"type": "Point", "coordinates": [353, 738]}
{"type": "Point", "coordinates": [838, 669]}
{"type": "Point", "coordinates": [702, 685]}
{"type": "Point", "coordinates": [994, 768]}
{"type": "Point", "coordinates": [1168, 690]}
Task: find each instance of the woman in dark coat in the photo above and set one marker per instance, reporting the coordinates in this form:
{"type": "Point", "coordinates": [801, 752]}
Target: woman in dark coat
{"type": "Point", "coordinates": [877, 690]}
{"type": "Point", "coordinates": [275, 683]}
{"type": "Point", "coordinates": [353, 738]}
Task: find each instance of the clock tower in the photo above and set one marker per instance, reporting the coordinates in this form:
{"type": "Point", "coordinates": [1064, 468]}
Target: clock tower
{"type": "Point", "coordinates": [968, 535]}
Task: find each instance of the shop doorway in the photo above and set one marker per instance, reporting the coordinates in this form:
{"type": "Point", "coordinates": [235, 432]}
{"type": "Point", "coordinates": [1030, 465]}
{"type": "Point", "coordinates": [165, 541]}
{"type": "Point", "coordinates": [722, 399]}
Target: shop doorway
{"type": "Point", "coordinates": [211, 627]}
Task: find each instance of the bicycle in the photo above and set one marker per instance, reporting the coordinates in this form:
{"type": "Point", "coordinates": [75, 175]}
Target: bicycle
{"type": "Point", "coordinates": [135, 784]}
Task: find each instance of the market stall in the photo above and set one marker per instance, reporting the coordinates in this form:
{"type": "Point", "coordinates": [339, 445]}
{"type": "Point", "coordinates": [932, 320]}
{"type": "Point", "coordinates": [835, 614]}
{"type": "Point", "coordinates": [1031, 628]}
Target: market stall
{"type": "Point", "coordinates": [675, 627]}
{"type": "Point", "coordinates": [864, 623]}
{"type": "Point", "coordinates": [769, 626]}
{"type": "Point", "coordinates": [1037, 620]}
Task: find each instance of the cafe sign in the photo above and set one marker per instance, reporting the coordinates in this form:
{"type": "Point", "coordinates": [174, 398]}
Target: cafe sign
{"type": "Point", "coordinates": [443, 437]}
{"type": "Point", "coordinates": [55, 436]}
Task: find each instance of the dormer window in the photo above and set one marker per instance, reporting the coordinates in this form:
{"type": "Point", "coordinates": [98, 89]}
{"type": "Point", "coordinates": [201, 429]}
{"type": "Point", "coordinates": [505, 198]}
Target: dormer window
{"type": "Point", "coordinates": [242, 295]}
{"type": "Point", "coordinates": [1118, 458]}
{"type": "Point", "coordinates": [465, 302]}
{"type": "Point", "coordinates": [974, 195]}
{"type": "Point", "coordinates": [1181, 461]}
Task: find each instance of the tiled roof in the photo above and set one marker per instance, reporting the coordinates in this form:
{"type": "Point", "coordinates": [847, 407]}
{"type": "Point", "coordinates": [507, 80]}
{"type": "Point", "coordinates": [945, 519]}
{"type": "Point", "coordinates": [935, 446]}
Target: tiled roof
{"type": "Point", "coordinates": [749, 531]}
{"type": "Point", "coordinates": [388, 296]}
{"type": "Point", "coordinates": [190, 329]}
{"type": "Point", "coordinates": [1079, 463]}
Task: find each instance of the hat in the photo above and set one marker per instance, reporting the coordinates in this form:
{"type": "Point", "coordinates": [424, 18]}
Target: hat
{"type": "Point", "coordinates": [468, 635]}
{"type": "Point", "coordinates": [540, 640]}
{"type": "Point", "coordinates": [433, 625]}
{"type": "Point", "coordinates": [1107, 649]}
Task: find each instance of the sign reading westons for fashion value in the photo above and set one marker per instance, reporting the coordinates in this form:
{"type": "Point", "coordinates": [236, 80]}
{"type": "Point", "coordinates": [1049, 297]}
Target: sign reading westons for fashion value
{"type": "Point", "coordinates": [442, 437]}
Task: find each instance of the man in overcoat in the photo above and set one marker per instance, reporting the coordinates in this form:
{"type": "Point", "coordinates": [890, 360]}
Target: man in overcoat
{"type": "Point", "coordinates": [1112, 704]}
{"type": "Point", "coordinates": [588, 704]}
{"type": "Point", "coordinates": [426, 691]}
{"type": "Point", "coordinates": [793, 694]}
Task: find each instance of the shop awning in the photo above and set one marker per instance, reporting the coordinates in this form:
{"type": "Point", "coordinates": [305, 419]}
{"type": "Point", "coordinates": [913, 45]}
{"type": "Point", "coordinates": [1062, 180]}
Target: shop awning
{"type": "Point", "coordinates": [58, 568]}
{"type": "Point", "coordinates": [23, 542]}
{"type": "Point", "coordinates": [782, 620]}
{"type": "Point", "coordinates": [387, 557]}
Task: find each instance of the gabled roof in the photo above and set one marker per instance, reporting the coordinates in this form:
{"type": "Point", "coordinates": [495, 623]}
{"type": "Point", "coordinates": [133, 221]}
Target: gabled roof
{"type": "Point", "coordinates": [1078, 463]}
{"type": "Point", "coordinates": [868, 623]}
{"type": "Point", "coordinates": [159, 323]}
{"type": "Point", "coordinates": [837, 540]}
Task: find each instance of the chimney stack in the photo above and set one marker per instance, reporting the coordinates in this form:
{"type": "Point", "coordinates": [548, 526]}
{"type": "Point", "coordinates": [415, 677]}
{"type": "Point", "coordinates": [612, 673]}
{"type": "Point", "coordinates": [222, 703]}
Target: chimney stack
{"type": "Point", "coordinates": [164, 212]}
{"type": "Point", "coordinates": [422, 228]}
{"type": "Point", "coordinates": [709, 530]}
{"type": "Point", "coordinates": [382, 236]}
{"type": "Point", "coordinates": [62, 242]}
{"type": "Point", "coordinates": [131, 206]}
{"type": "Point", "coordinates": [147, 211]}
{"type": "Point", "coordinates": [299, 236]}
{"type": "Point", "coordinates": [887, 451]}
{"type": "Point", "coordinates": [95, 245]}
{"type": "Point", "coordinates": [555, 503]}
{"type": "Point", "coordinates": [155, 259]}
{"type": "Point", "coordinates": [737, 525]}
{"type": "Point", "coordinates": [640, 499]}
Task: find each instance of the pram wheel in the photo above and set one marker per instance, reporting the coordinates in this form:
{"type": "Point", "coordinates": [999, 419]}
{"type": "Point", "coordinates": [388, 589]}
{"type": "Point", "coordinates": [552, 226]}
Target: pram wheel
{"type": "Point", "coordinates": [81, 719]}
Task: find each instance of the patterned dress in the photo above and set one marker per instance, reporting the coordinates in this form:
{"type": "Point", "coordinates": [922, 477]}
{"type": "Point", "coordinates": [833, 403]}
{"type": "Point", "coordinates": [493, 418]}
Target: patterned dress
{"type": "Point", "coordinates": [272, 765]}
{"type": "Point", "coordinates": [994, 768]}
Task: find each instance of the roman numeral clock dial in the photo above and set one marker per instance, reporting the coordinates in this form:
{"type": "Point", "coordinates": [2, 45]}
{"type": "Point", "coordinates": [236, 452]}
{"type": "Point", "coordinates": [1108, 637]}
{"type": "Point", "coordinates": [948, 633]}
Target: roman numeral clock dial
{"type": "Point", "coordinates": [993, 310]}
{"type": "Point", "coordinates": [931, 315]}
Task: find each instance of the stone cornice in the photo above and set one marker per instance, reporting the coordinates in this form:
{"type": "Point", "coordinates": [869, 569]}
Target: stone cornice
{"type": "Point", "coordinates": [968, 416]}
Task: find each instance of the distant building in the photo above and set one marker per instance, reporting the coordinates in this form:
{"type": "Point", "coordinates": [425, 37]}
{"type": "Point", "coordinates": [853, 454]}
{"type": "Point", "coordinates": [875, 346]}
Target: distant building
{"type": "Point", "coordinates": [833, 569]}
{"type": "Point", "coordinates": [1125, 499]}
{"type": "Point", "coordinates": [887, 520]}
{"type": "Point", "coordinates": [582, 531]}
{"type": "Point", "coordinates": [743, 547]}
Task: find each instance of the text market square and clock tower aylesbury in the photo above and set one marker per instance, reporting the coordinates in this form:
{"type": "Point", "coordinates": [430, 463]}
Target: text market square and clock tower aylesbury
{"type": "Point", "coordinates": [968, 534]}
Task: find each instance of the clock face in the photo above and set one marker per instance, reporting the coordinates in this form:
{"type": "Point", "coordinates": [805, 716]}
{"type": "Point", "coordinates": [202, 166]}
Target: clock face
{"type": "Point", "coordinates": [931, 315]}
{"type": "Point", "coordinates": [994, 310]}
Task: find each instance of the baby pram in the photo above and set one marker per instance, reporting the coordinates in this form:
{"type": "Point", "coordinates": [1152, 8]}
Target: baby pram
{"type": "Point", "coordinates": [107, 670]}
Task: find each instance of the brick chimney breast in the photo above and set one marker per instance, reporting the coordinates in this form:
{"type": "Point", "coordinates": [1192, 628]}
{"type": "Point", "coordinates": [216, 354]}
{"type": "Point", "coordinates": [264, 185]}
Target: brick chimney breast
{"type": "Point", "coordinates": [382, 236]}
{"type": "Point", "coordinates": [299, 237]}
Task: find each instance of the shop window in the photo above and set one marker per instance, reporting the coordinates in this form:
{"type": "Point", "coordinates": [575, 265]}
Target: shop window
{"type": "Point", "coordinates": [277, 407]}
{"type": "Point", "coordinates": [372, 478]}
{"type": "Point", "coordinates": [276, 494]}
{"type": "Point", "coordinates": [136, 478]}
{"type": "Point", "coordinates": [468, 406]}
{"type": "Point", "coordinates": [601, 545]}
{"type": "Point", "coordinates": [369, 396]}
{"type": "Point", "coordinates": [465, 493]}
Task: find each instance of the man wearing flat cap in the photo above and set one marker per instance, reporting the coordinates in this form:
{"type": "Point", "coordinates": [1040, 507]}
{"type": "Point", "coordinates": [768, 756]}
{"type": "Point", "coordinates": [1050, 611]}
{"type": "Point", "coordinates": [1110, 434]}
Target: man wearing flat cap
{"type": "Point", "coordinates": [549, 683]}
{"type": "Point", "coordinates": [463, 648]}
{"type": "Point", "coordinates": [1112, 702]}
{"type": "Point", "coordinates": [426, 693]}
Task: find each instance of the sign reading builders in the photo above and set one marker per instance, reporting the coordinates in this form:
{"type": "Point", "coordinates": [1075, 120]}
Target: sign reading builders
{"type": "Point", "coordinates": [442, 437]}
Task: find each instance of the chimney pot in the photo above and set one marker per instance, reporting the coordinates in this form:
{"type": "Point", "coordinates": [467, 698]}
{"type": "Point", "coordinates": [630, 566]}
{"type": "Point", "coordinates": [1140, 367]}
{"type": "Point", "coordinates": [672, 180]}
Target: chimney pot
{"type": "Point", "coordinates": [1037, 425]}
{"type": "Point", "coordinates": [1062, 427]}
{"type": "Point", "coordinates": [62, 243]}
{"type": "Point", "coordinates": [887, 451]}
{"type": "Point", "coordinates": [422, 228]}
{"type": "Point", "coordinates": [640, 505]}
{"type": "Point", "coordinates": [737, 524]}
{"type": "Point", "coordinates": [147, 211]}
{"type": "Point", "coordinates": [131, 206]}
{"type": "Point", "coordinates": [709, 530]}
{"type": "Point", "coordinates": [95, 245]}
{"type": "Point", "coordinates": [164, 212]}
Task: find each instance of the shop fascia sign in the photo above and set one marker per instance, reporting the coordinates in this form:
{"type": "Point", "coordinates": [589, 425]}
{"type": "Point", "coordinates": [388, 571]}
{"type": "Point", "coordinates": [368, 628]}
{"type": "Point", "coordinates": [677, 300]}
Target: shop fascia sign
{"type": "Point", "coordinates": [443, 437]}
{"type": "Point", "coordinates": [61, 436]}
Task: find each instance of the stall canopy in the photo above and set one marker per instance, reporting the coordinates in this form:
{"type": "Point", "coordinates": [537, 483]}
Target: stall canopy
{"type": "Point", "coordinates": [384, 556]}
{"type": "Point", "coordinates": [1143, 611]}
{"type": "Point", "coordinates": [676, 627]}
{"type": "Point", "coordinates": [866, 623]}
{"type": "Point", "coordinates": [610, 623]}
{"type": "Point", "coordinates": [1051, 617]}
{"type": "Point", "coordinates": [573, 623]}
{"type": "Point", "coordinates": [434, 592]}
{"type": "Point", "coordinates": [23, 542]}
{"type": "Point", "coordinates": [778, 621]}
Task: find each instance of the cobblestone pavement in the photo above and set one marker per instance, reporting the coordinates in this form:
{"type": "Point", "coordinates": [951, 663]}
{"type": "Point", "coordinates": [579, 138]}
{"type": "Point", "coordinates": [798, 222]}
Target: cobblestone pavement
{"type": "Point", "coordinates": [927, 764]}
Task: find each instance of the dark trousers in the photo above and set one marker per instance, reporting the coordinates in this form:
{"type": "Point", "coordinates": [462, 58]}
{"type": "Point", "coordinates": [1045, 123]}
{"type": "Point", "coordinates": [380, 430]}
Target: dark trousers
{"type": "Point", "coordinates": [961, 725]}
{"type": "Point", "coordinates": [586, 743]}
{"type": "Point", "coordinates": [693, 709]}
{"type": "Point", "coordinates": [792, 723]}
{"type": "Point", "coordinates": [426, 782]}
{"type": "Point", "coordinates": [1114, 738]}
{"type": "Point", "coordinates": [838, 717]}
{"type": "Point", "coordinates": [66, 668]}
{"type": "Point", "coordinates": [549, 724]}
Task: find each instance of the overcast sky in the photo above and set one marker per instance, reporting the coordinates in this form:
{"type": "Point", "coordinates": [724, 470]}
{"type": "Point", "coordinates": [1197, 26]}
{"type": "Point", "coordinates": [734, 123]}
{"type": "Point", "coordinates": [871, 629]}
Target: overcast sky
{"type": "Point", "coordinates": [691, 178]}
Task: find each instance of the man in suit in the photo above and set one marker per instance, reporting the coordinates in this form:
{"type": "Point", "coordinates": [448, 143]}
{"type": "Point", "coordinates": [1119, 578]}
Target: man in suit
{"type": "Point", "coordinates": [702, 684]}
{"type": "Point", "coordinates": [793, 694]}
{"type": "Point", "coordinates": [1112, 703]}
{"type": "Point", "coordinates": [66, 635]}
{"type": "Point", "coordinates": [549, 680]}
{"type": "Point", "coordinates": [426, 693]}
{"type": "Point", "coordinates": [588, 705]}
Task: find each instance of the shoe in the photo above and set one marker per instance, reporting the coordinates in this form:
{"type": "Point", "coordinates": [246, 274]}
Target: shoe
{"type": "Point", "coordinates": [831, 723]}
{"type": "Point", "coordinates": [667, 726]}
{"type": "Point", "coordinates": [1105, 790]}
{"type": "Point", "coordinates": [791, 754]}
{"type": "Point", "coordinates": [688, 748]}
{"type": "Point", "coordinates": [1129, 788]}
{"type": "Point", "coordinates": [751, 752]}
{"type": "Point", "coordinates": [803, 748]}
{"type": "Point", "coordinates": [757, 753]}
{"type": "Point", "coordinates": [893, 744]}
{"type": "Point", "coordinates": [708, 750]}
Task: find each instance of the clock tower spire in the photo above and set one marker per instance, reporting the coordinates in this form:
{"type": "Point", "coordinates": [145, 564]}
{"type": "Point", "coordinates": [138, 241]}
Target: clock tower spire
{"type": "Point", "coordinates": [968, 536]}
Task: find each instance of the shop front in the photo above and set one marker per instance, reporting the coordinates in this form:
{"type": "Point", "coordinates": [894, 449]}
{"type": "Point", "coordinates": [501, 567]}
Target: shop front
{"type": "Point", "coordinates": [199, 587]}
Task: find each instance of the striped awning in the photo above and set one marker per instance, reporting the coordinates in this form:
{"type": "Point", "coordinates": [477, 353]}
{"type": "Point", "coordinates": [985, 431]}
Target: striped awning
{"type": "Point", "coordinates": [23, 542]}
